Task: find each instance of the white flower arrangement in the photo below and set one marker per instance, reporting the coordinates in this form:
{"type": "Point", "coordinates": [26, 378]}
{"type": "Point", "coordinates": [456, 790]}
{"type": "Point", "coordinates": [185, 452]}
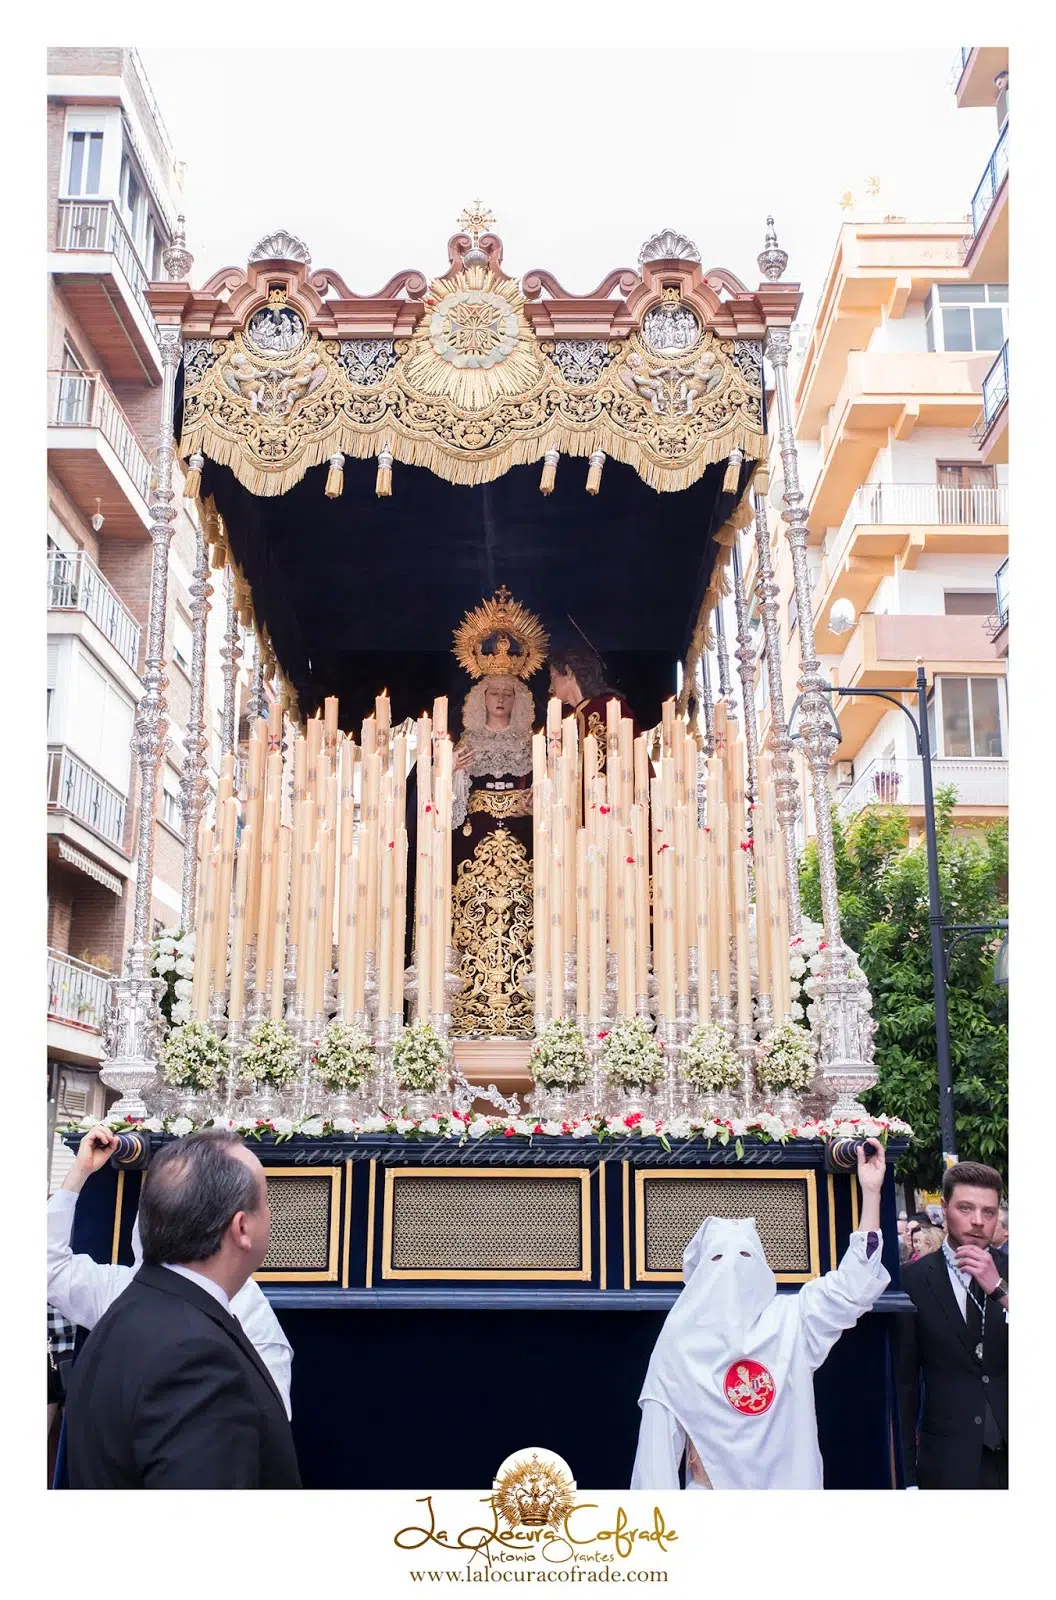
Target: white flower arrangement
{"type": "Point", "coordinates": [420, 1058]}
{"type": "Point", "coordinates": [344, 1057]}
{"type": "Point", "coordinates": [172, 959]}
{"type": "Point", "coordinates": [193, 1057]}
{"type": "Point", "coordinates": [631, 1058]}
{"type": "Point", "coordinates": [709, 1061]}
{"type": "Point", "coordinates": [272, 1054]}
{"type": "Point", "coordinates": [787, 1059]}
{"type": "Point", "coordinates": [559, 1060]}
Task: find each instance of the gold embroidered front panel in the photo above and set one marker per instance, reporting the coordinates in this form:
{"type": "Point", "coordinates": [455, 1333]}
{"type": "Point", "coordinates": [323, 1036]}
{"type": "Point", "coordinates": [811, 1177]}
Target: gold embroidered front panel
{"type": "Point", "coordinates": [492, 907]}
{"type": "Point", "coordinates": [514, 803]}
{"type": "Point", "coordinates": [471, 393]}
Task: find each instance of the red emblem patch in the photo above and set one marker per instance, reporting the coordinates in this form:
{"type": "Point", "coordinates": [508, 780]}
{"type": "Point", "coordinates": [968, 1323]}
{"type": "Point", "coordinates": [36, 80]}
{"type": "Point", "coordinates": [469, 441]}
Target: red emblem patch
{"type": "Point", "coordinates": [749, 1387]}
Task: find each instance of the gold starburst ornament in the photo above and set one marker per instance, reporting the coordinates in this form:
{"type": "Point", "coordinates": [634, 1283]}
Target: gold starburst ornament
{"type": "Point", "coordinates": [500, 639]}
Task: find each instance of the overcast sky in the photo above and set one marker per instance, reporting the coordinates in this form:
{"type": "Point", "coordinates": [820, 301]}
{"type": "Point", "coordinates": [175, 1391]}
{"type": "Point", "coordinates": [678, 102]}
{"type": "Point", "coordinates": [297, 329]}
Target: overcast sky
{"type": "Point", "coordinates": [580, 154]}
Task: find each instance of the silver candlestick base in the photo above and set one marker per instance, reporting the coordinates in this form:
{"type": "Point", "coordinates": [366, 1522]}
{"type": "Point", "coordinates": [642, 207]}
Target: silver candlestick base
{"type": "Point", "coordinates": [748, 1051]}
{"type": "Point", "coordinates": [132, 1042]}
{"type": "Point", "coordinates": [236, 1043]}
{"type": "Point", "coordinates": [722, 1011]}
{"type": "Point", "coordinates": [764, 1016]}
{"type": "Point", "coordinates": [643, 1010]}
{"type": "Point", "coordinates": [670, 1090]}
{"type": "Point", "coordinates": [258, 1008]}
{"type": "Point", "coordinates": [683, 1018]}
{"type": "Point", "coordinates": [218, 1012]}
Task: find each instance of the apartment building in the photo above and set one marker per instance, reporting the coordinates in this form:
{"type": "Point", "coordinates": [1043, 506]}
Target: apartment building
{"type": "Point", "coordinates": [113, 199]}
{"type": "Point", "coordinates": [908, 514]}
{"type": "Point", "coordinates": [983, 81]}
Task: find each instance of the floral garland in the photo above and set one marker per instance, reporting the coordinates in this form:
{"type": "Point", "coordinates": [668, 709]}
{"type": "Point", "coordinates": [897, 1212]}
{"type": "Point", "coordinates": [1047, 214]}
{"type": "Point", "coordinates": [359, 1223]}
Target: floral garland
{"type": "Point", "coordinates": [709, 1061]}
{"type": "Point", "coordinates": [272, 1054]}
{"type": "Point", "coordinates": [420, 1058]}
{"type": "Point", "coordinates": [193, 1057]}
{"type": "Point", "coordinates": [631, 1057]}
{"type": "Point", "coordinates": [172, 958]}
{"type": "Point", "coordinates": [344, 1058]}
{"type": "Point", "coordinates": [787, 1059]}
{"type": "Point", "coordinates": [559, 1060]}
{"type": "Point", "coordinates": [465, 1127]}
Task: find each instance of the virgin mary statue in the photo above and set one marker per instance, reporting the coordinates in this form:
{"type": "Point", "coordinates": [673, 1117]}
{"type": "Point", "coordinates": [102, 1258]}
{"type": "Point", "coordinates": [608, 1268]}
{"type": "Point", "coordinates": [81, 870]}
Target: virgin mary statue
{"type": "Point", "coordinates": [500, 644]}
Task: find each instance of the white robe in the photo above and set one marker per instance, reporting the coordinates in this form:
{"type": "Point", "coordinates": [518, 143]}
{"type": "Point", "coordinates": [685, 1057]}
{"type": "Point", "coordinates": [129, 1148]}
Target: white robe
{"type": "Point", "coordinates": [82, 1289]}
{"type": "Point", "coordinates": [732, 1371]}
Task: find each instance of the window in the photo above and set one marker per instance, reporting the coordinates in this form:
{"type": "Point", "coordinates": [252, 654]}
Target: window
{"type": "Point", "coordinates": [181, 643]}
{"type": "Point", "coordinates": [966, 316]}
{"type": "Point", "coordinates": [966, 603]}
{"type": "Point", "coordinates": [171, 801]}
{"type": "Point", "coordinates": [970, 717]}
{"type": "Point", "coordinates": [75, 390]}
{"type": "Point", "coordinates": [85, 160]}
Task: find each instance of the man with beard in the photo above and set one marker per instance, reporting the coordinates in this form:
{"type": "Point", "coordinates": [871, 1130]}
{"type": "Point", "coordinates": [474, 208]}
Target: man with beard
{"type": "Point", "coordinates": [957, 1345]}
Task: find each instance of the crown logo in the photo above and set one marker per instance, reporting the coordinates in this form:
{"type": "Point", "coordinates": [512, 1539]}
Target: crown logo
{"type": "Point", "coordinates": [533, 1491]}
{"type": "Point", "coordinates": [500, 639]}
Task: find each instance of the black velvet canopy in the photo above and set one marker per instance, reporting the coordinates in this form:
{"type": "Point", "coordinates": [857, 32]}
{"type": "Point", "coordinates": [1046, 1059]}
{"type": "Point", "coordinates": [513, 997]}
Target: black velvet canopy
{"type": "Point", "coordinates": [360, 593]}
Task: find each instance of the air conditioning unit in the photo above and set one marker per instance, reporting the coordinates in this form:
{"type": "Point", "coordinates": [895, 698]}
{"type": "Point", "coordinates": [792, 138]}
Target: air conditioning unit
{"type": "Point", "coordinates": [844, 774]}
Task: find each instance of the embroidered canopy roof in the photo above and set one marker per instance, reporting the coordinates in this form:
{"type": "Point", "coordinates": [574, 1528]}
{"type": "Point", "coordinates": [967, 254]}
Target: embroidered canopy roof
{"type": "Point", "coordinates": [304, 408]}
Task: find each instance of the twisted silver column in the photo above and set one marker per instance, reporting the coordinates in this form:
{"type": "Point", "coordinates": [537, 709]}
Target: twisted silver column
{"type": "Point", "coordinates": [844, 1029]}
{"type": "Point", "coordinates": [785, 785]}
{"type": "Point", "coordinates": [231, 656]}
{"type": "Point", "coordinates": [132, 1030]}
{"type": "Point", "coordinates": [708, 704]}
{"type": "Point", "coordinates": [723, 657]}
{"type": "Point", "coordinates": [256, 702]}
{"type": "Point", "coordinates": [746, 672]}
{"type": "Point", "coordinates": [193, 783]}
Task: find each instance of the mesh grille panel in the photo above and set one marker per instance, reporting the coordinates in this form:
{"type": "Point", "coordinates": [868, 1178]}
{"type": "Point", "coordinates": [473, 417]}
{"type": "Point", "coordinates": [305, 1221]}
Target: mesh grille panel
{"type": "Point", "coordinates": [676, 1207]}
{"type": "Point", "coordinates": [487, 1223]}
{"type": "Point", "coordinates": [300, 1224]}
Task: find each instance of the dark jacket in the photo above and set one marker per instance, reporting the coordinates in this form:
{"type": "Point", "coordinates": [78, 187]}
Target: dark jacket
{"type": "Point", "coordinates": [168, 1393]}
{"type": "Point", "coordinates": [935, 1353]}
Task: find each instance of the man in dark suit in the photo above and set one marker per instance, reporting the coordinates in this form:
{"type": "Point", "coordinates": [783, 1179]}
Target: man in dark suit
{"type": "Point", "coordinates": [955, 1348]}
{"type": "Point", "coordinates": [168, 1393]}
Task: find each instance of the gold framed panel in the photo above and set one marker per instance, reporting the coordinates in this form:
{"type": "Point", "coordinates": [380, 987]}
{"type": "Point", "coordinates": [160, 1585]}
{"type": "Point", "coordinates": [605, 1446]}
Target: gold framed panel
{"type": "Point", "coordinates": [643, 1274]}
{"type": "Point", "coordinates": [331, 1272]}
{"type": "Point", "coordinates": [514, 1274]}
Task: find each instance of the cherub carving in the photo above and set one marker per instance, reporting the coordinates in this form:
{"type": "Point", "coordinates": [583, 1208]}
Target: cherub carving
{"type": "Point", "coordinates": [245, 381]}
{"type": "Point", "coordinates": [702, 378]}
{"type": "Point", "coordinates": [643, 383]}
{"type": "Point", "coordinates": [300, 383]}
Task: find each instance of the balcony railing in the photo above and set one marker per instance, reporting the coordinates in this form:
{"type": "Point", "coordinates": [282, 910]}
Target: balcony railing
{"type": "Point", "coordinates": [982, 782]}
{"type": "Point", "coordinates": [998, 618]}
{"type": "Point", "coordinates": [77, 991]}
{"type": "Point", "coordinates": [990, 182]}
{"type": "Point", "coordinates": [97, 225]}
{"type": "Point", "coordinates": [919, 505]}
{"type": "Point", "coordinates": [995, 387]}
{"type": "Point", "coordinates": [83, 400]}
{"type": "Point", "coordinates": [76, 584]}
{"type": "Point", "coordinates": [75, 788]}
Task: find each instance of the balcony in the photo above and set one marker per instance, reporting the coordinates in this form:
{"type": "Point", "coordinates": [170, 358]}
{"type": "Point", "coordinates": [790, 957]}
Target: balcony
{"type": "Point", "coordinates": [991, 427]}
{"type": "Point", "coordinates": [105, 285]}
{"type": "Point", "coordinates": [980, 65]}
{"type": "Point", "coordinates": [986, 258]}
{"type": "Point", "coordinates": [981, 785]}
{"type": "Point", "coordinates": [883, 650]}
{"type": "Point", "coordinates": [889, 523]}
{"type": "Point", "coordinates": [93, 448]}
{"type": "Point", "coordinates": [78, 1000]}
{"type": "Point", "coordinates": [75, 584]}
{"type": "Point", "coordinates": [997, 621]}
{"type": "Point", "coordinates": [74, 789]}
{"type": "Point", "coordinates": [887, 395]}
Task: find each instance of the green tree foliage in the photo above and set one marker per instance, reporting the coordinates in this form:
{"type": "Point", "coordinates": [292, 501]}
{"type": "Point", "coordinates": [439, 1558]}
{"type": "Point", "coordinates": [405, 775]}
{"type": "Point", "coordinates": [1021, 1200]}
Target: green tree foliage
{"type": "Point", "coordinates": [883, 883]}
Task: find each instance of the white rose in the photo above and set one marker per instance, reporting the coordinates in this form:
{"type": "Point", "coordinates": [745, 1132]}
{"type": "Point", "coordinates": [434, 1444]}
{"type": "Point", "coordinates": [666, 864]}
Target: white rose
{"type": "Point", "coordinates": [740, 1127]}
{"type": "Point", "coordinates": [709, 1128]}
{"type": "Point", "coordinates": [282, 1124]}
{"type": "Point", "coordinates": [678, 1128]}
{"type": "Point", "coordinates": [372, 1124]}
{"type": "Point", "coordinates": [551, 1127]}
{"type": "Point", "coordinates": [797, 966]}
{"type": "Point", "coordinates": [186, 945]}
{"type": "Point", "coordinates": [165, 944]}
{"type": "Point", "coordinates": [520, 1125]}
{"type": "Point", "coordinates": [816, 963]}
{"type": "Point", "coordinates": [647, 1127]}
{"type": "Point", "coordinates": [313, 1126]}
{"type": "Point", "coordinates": [185, 967]}
{"type": "Point", "coordinates": [796, 1010]}
{"type": "Point", "coordinates": [183, 988]}
{"type": "Point", "coordinates": [180, 1125]}
{"type": "Point", "coordinates": [430, 1125]}
{"type": "Point", "coordinates": [478, 1127]}
{"type": "Point", "coordinates": [345, 1124]}
{"type": "Point", "coordinates": [181, 1012]}
{"type": "Point", "coordinates": [164, 963]}
{"type": "Point", "coordinates": [583, 1130]}
{"type": "Point", "coordinates": [810, 984]}
{"type": "Point", "coordinates": [404, 1124]}
{"type": "Point", "coordinates": [153, 1125]}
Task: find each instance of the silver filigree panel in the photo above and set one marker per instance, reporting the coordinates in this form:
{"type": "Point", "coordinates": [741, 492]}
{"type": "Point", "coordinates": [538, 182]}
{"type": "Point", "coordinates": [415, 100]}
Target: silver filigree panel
{"type": "Point", "coordinates": [748, 359]}
{"type": "Point", "coordinates": [366, 361]}
{"type": "Point", "coordinates": [198, 357]}
{"type": "Point", "coordinates": [581, 361]}
{"type": "Point", "coordinates": [668, 330]}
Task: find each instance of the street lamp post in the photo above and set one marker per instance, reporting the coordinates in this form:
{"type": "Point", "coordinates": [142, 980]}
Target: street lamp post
{"type": "Point", "coordinates": [936, 926]}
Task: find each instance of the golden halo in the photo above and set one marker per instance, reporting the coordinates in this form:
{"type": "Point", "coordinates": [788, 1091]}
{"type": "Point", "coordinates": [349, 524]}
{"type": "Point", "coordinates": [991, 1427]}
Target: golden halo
{"type": "Point", "coordinates": [500, 639]}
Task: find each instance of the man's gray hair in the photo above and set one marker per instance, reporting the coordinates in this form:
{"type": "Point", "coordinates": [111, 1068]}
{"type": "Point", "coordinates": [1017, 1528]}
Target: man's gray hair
{"type": "Point", "coordinates": [192, 1189]}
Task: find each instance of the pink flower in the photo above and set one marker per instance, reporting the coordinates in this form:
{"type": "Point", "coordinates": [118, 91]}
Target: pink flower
{"type": "Point", "coordinates": [633, 1120]}
{"type": "Point", "coordinates": [603, 1036]}
{"type": "Point", "coordinates": [604, 810]}
{"type": "Point", "coordinates": [538, 1128]}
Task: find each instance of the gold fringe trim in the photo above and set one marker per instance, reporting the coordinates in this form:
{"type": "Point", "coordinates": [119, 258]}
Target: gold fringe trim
{"type": "Point", "coordinates": [761, 480]}
{"type": "Point", "coordinates": [335, 478]}
{"type": "Point", "coordinates": [549, 473]}
{"type": "Point", "coordinates": [731, 482]}
{"type": "Point", "coordinates": [597, 463]}
{"type": "Point", "coordinates": [467, 467]}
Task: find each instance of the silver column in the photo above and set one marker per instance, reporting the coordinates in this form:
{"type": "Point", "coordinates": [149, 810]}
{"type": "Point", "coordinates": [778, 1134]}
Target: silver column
{"type": "Point", "coordinates": [723, 657]}
{"type": "Point", "coordinates": [844, 1027]}
{"type": "Point", "coordinates": [193, 783]}
{"type": "Point", "coordinates": [231, 655]}
{"type": "Point", "coordinates": [131, 1043]}
{"type": "Point", "coordinates": [785, 785]}
{"type": "Point", "coordinates": [746, 671]}
{"type": "Point", "coordinates": [256, 703]}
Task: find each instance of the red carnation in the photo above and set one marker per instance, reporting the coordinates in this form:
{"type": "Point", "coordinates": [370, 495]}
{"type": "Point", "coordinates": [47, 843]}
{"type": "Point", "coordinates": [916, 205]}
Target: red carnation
{"type": "Point", "coordinates": [630, 861]}
{"type": "Point", "coordinates": [509, 1133]}
{"type": "Point", "coordinates": [603, 1036]}
{"type": "Point", "coordinates": [604, 810]}
{"type": "Point", "coordinates": [538, 1128]}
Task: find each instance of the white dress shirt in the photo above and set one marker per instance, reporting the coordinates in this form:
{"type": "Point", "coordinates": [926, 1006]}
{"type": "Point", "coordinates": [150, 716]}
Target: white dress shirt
{"type": "Point", "coordinates": [201, 1280]}
{"type": "Point", "coordinates": [82, 1289]}
{"type": "Point", "coordinates": [959, 1282]}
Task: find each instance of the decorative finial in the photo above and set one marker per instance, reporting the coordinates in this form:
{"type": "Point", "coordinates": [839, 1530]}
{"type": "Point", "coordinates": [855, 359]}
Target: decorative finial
{"type": "Point", "coordinates": [772, 259]}
{"type": "Point", "coordinates": [475, 220]}
{"type": "Point", "coordinates": [281, 246]}
{"type": "Point", "coordinates": [176, 257]}
{"type": "Point", "coordinates": [668, 245]}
